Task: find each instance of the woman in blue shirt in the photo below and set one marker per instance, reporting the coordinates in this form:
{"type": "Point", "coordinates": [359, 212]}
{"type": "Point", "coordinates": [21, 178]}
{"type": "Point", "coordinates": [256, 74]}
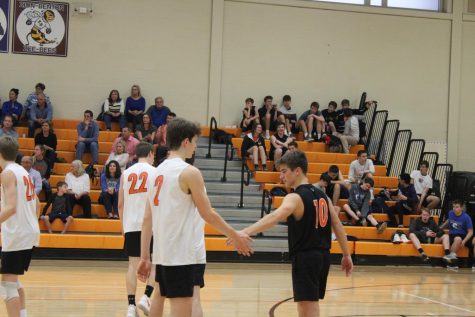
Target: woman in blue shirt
{"type": "Point", "coordinates": [110, 183]}
{"type": "Point", "coordinates": [12, 107]}
{"type": "Point", "coordinates": [135, 106]}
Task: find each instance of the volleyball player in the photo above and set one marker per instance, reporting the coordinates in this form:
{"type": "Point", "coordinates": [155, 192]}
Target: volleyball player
{"type": "Point", "coordinates": [176, 210]}
{"type": "Point", "coordinates": [19, 224]}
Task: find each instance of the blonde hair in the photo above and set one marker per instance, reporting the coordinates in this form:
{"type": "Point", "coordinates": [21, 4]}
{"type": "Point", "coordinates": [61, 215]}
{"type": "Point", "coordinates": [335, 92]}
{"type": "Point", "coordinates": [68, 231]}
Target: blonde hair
{"type": "Point", "coordinates": [121, 142]}
{"type": "Point", "coordinates": [78, 164]}
{"type": "Point", "coordinates": [138, 88]}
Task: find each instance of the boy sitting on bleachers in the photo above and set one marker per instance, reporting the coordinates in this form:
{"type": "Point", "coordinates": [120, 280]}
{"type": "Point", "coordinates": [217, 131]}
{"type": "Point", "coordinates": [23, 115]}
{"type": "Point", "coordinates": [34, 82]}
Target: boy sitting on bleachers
{"type": "Point", "coordinates": [406, 198]}
{"type": "Point", "coordinates": [323, 183]}
{"type": "Point", "coordinates": [338, 187]}
{"type": "Point", "coordinates": [61, 208]}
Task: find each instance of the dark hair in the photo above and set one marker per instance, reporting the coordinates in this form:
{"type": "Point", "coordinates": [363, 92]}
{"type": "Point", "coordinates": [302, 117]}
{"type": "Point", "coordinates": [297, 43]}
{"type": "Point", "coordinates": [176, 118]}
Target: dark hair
{"type": "Point", "coordinates": [249, 100]}
{"type": "Point", "coordinates": [172, 114]}
{"type": "Point", "coordinates": [286, 98]}
{"type": "Point", "coordinates": [368, 180]}
{"type": "Point", "coordinates": [15, 91]}
{"type": "Point", "coordinates": [333, 103]}
{"type": "Point", "coordinates": [458, 202]}
{"type": "Point", "coordinates": [110, 95]}
{"type": "Point", "coordinates": [10, 116]}
{"type": "Point", "coordinates": [326, 178]}
{"type": "Point", "coordinates": [180, 129]}
{"type": "Point", "coordinates": [8, 148]}
{"type": "Point", "coordinates": [425, 163]}
{"type": "Point", "coordinates": [117, 171]}
{"type": "Point", "coordinates": [361, 152]}
{"type": "Point", "coordinates": [254, 127]}
{"type": "Point", "coordinates": [143, 149]}
{"type": "Point", "coordinates": [315, 104]}
{"type": "Point", "coordinates": [295, 159]}
{"type": "Point", "coordinates": [347, 112]}
{"type": "Point", "coordinates": [278, 125]}
{"type": "Point", "coordinates": [89, 112]}
{"type": "Point", "coordinates": [345, 102]}
{"type": "Point", "coordinates": [267, 98]}
{"type": "Point", "coordinates": [60, 184]}
{"type": "Point", "coordinates": [405, 177]}
{"type": "Point", "coordinates": [41, 86]}
{"type": "Point", "coordinates": [334, 169]}
{"type": "Point", "coordinates": [293, 143]}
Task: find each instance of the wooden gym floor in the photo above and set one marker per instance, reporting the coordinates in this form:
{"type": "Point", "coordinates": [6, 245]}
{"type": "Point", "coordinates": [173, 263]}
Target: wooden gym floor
{"type": "Point", "coordinates": [96, 288]}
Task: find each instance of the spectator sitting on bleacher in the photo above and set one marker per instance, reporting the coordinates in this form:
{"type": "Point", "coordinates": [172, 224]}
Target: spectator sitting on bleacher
{"type": "Point", "coordinates": [279, 143]}
{"type": "Point", "coordinates": [161, 152]}
{"type": "Point", "coordinates": [358, 113]}
{"type": "Point", "coordinates": [159, 112]}
{"type": "Point", "coordinates": [12, 107]}
{"type": "Point", "coordinates": [323, 183]}
{"type": "Point", "coordinates": [249, 116]}
{"type": "Point", "coordinates": [351, 133]}
{"type": "Point", "coordinates": [406, 199]}
{"type": "Point", "coordinates": [268, 115]}
{"type": "Point", "coordinates": [110, 183]}
{"type": "Point", "coordinates": [7, 127]}
{"type": "Point", "coordinates": [338, 187]}
{"type": "Point", "coordinates": [61, 208]}
{"type": "Point", "coordinates": [287, 115]}
{"type": "Point", "coordinates": [310, 120]}
{"type": "Point", "coordinates": [88, 135]}
{"type": "Point", "coordinates": [119, 155]}
{"type": "Point", "coordinates": [114, 109]}
{"type": "Point", "coordinates": [424, 230]}
{"type": "Point", "coordinates": [129, 140]}
{"type": "Point", "coordinates": [79, 187]}
{"type": "Point", "coordinates": [460, 232]}
{"type": "Point", "coordinates": [27, 163]}
{"type": "Point", "coordinates": [330, 114]}
{"type": "Point", "coordinates": [42, 166]}
{"type": "Point", "coordinates": [32, 100]}
{"type": "Point", "coordinates": [41, 112]}
{"type": "Point", "coordinates": [47, 138]}
{"type": "Point", "coordinates": [135, 106]}
{"type": "Point", "coordinates": [254, 146]}
{"type": "Point", "coordinates": [423, 185]}
{"type": "Point", "coordinates": [360, 166]}
{"type": "Point", "coordinates": [145, 130]}
{"type": "Point", "coordinates": [293, 146]}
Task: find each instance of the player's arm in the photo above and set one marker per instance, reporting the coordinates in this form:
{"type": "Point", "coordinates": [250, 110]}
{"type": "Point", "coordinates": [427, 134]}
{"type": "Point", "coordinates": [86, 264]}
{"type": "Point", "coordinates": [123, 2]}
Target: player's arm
{"type": "Point", "coordinates": [121, 201]}
{"type": "Point", "coordinates": [38, 207]}
{"type": "Point", "coordinates": [192, 179]}
{"type": "Point", "coordinates": [9, 187]}
{"type": "Point", "coordinates": [339, 231]}
{"type": "Point", "coordinates": [144, 267]}
{"type": "Point", "coordinates": [288, 206]}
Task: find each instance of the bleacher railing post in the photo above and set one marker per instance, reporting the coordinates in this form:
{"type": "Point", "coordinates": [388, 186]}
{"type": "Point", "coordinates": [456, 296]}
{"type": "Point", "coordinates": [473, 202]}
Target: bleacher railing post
{"type": "Point", "coordinates": [211, 132]}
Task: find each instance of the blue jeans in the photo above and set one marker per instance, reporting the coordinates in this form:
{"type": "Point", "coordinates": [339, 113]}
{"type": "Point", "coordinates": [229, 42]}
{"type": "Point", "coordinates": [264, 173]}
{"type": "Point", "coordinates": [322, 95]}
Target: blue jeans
{"type": "Point", "coordinates": [92, 147]}
{"type": "Point", "coordinates": [32, 125]}
{"type": "Point", "coordinates": [108, 120]}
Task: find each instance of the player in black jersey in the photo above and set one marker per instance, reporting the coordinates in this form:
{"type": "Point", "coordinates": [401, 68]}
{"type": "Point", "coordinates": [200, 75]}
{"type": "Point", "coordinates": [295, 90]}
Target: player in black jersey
{"type": "Point", "coordinates": [311, 218]}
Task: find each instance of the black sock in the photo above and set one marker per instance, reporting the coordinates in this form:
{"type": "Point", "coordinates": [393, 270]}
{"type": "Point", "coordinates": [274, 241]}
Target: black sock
{"type": "Point", "coordinates": [420, 250]}
{"type": "Point", "coordinates": [148, 290]}
{"type": "Point", "coordinates": [256, 167]}
{"type": "Point", "coordinates": [131, 299]}
{"type": "Point", "coordinates": [264, 165]}
{"type": "Point", "coordinates": [447, 251]}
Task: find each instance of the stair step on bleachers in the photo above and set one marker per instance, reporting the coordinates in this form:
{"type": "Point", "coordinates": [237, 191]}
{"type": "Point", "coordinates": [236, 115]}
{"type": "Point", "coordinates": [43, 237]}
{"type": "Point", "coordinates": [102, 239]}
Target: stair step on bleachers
{"type": "Point", "coordinates": [403, 249]}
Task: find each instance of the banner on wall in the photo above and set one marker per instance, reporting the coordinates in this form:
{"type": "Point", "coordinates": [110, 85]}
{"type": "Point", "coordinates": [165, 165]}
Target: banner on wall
{"type": "Point", "coordinates": [4, 25]}
{"type": "Point", "coordinates": [40, 28]}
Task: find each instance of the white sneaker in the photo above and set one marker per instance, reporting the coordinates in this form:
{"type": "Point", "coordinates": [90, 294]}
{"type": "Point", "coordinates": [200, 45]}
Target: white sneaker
{"type": "Point", "coordinates": [396, 239]}
{"type": "Point", "coordinates": [144, 304]}
{"type": "Point", "coordinates": [404, 239]}
{"type": "Point", "coordinates": [132, 311]}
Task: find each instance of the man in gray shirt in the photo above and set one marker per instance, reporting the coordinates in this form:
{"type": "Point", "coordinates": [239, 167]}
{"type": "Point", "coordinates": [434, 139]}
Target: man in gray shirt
{"type": "Point", "coordinates": [360, 166]}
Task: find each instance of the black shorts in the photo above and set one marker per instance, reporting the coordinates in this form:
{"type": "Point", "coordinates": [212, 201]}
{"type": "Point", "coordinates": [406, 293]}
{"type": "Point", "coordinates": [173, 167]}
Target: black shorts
{"type": "Point", "coordinates": [469, 243]}
{"type": "Point", "coordinates": [179, 281]}
{"type": "Point", "coordinates": [53, 216]}
{"type": "Point", "coordinates": [309, 275]}
{"type": "Point", "coordinates": [422, 237]}
{"type": "Point", "coordinates": [344, 193]}
{"type": "Point", "coordinates": [16, 262]}
{"type": "Point", "coordinates": [132, 243]}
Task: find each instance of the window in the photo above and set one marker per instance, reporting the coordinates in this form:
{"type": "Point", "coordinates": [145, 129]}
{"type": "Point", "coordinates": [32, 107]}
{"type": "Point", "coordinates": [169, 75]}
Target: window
{"type": "Point", "coordinates": [430, 5]}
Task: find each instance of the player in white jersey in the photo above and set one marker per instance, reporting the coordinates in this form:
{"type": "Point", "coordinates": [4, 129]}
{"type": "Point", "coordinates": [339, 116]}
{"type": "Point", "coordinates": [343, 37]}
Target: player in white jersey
{"type": "Point", "coordinates": [19, 224]}
{"type": "Point", "coordinates": [176, 209]}
{"type": "Point", "coordinates": [132, 198]}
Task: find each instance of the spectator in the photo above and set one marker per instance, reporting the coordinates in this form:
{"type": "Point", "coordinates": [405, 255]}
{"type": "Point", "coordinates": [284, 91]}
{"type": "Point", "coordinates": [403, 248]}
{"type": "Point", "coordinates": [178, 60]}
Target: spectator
{"type": "Point", "coordinates": [159, 112]}
{"type": "Point", "coordinates": [161, 140]}
{"type": "Point", "coordinates": [79, 187]}
{"type": "Point", "coordinates": [129, 140]}
{"type": "Point", "coordinates": [47, 138]}
{"type": "Point", "coordinates": [423, 185]}
{"type": "Point", "coordinates": [32, 99]}
{"type": "Point", "coordinates": [110, 183]}
{"type": "Point", "coordinates": [7, 127]}
{"type": "Point", "coordinates": [309, 120]}
{"type": "Point", "coordinates": [268, 116]}
{"type": "Point", "coordinates": [12, 107]}
{"type": "Point", "coordinates": [254, 146]}
{"type": "Point", "coordinates": [293, 146]}
{"type": "Point", "coordinates": [330, 114]}
{"type": "Point", "coordinates": [249, 116]}
{"type": "Point", "coordinates": [351, 133]}
{"type": "Point", "coordinates": [358, 205]}
{"type": "Point", "coordinates": [279, 143]}
{"type": "Point", "coordinates": [114, 110]}
{"type": "Point", "coordinates": [338, 187]}
{"type": "Point", "coordinates": [145, 130]}
{"type": "Point", "coordinates": [42, 166]}
{"type": "Point", "coordinates": [88, 135]}
{"type": "Point", "coordinates": [360, 166]}
{"type": "Point", "coordinates": [323, 183]}
{"type": "Point", "coordinates": [61, 208]}
{"type": "Point", "coordinates": [288, 116]}
{"type": "Point", "coordinates": [460, 232]}
{"type": "Point", "coordinates": [424, 230]}
{"type": "Point", "coordinates": [27, 163]}
{"type": "Point", "coordinates": [119, 155]}
{"type": "Point", "coordinates": [39, 113]}
{"type": "Point", "coordinates": [406, 198]}
{"type": "Point", "coordinates": [135, 106]}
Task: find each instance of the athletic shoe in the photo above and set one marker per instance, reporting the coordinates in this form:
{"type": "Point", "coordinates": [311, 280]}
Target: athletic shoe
{"type": "Point", "coordinates": [380, 227]}
{"type": "Point", "coordinates": [396, 239]}
{"type": "Point", "coordinates": [404, 239]}
{"type": "Point", "coordinates": [424, 257]}
{"type": "Point", "coordinates": [364, 223]}
{"type": "Point", "coordinates": [144, 304]}
{"type": "Point", "coordinates": [454, 268]}
{"type": "Point", "coordinates": [449, 258]}
{"type": "Point", "coordinates": [309, 139]}
{"type": "Point", "coordinates": [132, 311]}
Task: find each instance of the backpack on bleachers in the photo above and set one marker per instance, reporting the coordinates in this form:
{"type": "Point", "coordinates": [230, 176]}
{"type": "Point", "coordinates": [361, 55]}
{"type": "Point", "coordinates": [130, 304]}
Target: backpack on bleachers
{"type": "Point", "coordinates": [334, 144]}
{"type": "Point", "coordinates": [221, 137]}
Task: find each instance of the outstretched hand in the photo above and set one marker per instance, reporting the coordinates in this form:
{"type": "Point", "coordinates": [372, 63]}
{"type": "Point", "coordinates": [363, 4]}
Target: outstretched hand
{"type": "Point", "coordinates": [143, 270]}
{"type": "Point", "coordinates": [241, 242]}
{"type": "Point", "coordinates": [347, 265]}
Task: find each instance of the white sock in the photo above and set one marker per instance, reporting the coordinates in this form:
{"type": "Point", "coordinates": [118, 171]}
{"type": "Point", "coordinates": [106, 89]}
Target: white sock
{"type": "Point", "coordinates": [306, 135]}
{"type": "Point", "coordinates": [319, 135]}
{"type": "Point", "coordinates": [23, 313]}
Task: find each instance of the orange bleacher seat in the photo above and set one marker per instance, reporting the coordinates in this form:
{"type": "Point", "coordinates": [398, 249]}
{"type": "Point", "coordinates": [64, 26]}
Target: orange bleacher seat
{"type": "Point", "coordinates": [319, 168]}
{"type": "Point", "coordinates": [390, 249]}
{"type": "Point", "coordinates": [234, 131]}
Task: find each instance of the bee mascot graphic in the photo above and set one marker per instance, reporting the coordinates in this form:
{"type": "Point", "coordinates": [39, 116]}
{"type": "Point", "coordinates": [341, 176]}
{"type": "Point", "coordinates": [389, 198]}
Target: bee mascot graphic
{"type": "Point", "coordinates": [41, 26]}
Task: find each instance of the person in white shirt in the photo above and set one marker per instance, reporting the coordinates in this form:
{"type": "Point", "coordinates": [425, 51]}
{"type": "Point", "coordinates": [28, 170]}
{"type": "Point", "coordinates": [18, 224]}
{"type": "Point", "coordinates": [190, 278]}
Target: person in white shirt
{"type": "Point", "coordinates": [360, 166]}
{"type": "Point", "coordinates": [132, 198]}
{"type": "Point", "coordinates": [79, 187]}
{"type": "Point", "coordinates": [287, 115]}
{"type": "Point", "coordinates": [176, 210]}
{"type": "Point", "coordinates": [20, 231]}
{"type": "Point", "coordinates": [423, 185]}
{"type": "Point", "coordinates": [351, 134]}
{"type": "Point", "coordinates": [120, 155]}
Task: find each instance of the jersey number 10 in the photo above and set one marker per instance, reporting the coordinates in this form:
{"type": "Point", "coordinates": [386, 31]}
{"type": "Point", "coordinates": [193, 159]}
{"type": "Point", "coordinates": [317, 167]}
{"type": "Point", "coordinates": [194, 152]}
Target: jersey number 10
{"type": "Point", "coordinates": [321, 212]}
